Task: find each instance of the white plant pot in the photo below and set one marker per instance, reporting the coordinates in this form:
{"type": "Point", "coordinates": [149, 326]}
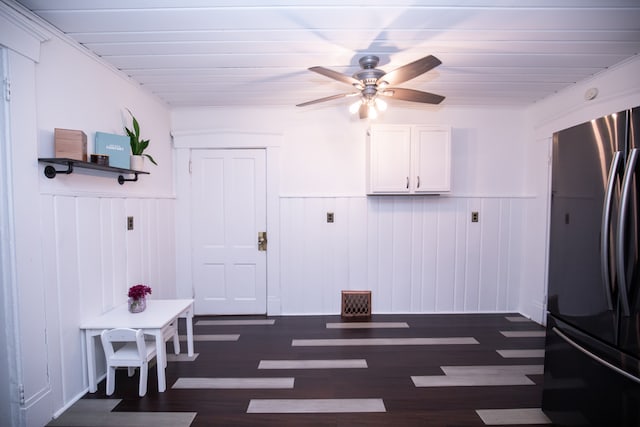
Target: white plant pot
{"type": "Point", "coordinates": [136, 163]}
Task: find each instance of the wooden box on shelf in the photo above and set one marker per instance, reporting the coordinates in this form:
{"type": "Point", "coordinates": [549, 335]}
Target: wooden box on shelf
{"type": "Point", "coordinates": [70, 144]}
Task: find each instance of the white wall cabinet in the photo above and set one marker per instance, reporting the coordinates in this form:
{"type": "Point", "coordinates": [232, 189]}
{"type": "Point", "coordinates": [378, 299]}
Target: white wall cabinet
{"type": "Point", "coordinates": [405, 159]}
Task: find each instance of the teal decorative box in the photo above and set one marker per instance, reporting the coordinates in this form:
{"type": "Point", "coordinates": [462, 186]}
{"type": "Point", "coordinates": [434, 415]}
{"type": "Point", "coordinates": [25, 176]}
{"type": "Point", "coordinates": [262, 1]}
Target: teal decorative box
{"type": "Point", "coordinates": [116, 147]}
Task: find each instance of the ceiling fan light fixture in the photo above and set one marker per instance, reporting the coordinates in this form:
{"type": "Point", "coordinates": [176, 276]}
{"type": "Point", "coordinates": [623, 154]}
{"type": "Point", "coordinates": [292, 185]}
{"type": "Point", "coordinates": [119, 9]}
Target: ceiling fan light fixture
{"type": "Point", "coordinates": [373, 113]}
{"type": "Point", "coordinates": [355, 107]}
{"type": "Point", "coordinates": [381, 105]}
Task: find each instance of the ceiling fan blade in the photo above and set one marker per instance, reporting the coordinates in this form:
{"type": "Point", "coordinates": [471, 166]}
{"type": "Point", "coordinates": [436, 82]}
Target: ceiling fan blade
{"type": "Point", "coordinates": [412, 95]}
{"type": "Point", "coordinates": [336, 75]}
{"type": "Point", "coordinates": [409, 71]}
{"type": "Point", "coordinates": [327, 98]}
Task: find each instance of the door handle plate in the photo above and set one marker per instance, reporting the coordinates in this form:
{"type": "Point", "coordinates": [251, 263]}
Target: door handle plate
{"type": "Point", "coordinates": [262, 240]}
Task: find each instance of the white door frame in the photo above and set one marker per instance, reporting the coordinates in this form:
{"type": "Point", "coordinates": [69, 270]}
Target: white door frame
{"type": "Point", "coordinates": [184, 143]}
{"type": "Point", "coordinates": [9, 342]}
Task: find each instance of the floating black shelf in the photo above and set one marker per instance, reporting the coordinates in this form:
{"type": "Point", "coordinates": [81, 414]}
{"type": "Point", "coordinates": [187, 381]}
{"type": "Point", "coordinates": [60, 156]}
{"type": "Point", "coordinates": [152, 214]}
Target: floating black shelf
{"type": "Point", "coordinates": [51, 171]}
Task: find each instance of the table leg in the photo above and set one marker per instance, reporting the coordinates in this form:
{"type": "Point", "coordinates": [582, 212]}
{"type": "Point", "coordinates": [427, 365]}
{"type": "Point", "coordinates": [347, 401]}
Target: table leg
{"type": "Point", "coordinates": [91, 361]}
{"type": "Point", "coordinates": [190, 332]}
{"type": "Point", "coordinates": [161, 361]}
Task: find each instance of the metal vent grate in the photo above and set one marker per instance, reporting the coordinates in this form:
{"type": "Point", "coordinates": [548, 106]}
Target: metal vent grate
{"type": "Point", "coordinates": [356, 304]}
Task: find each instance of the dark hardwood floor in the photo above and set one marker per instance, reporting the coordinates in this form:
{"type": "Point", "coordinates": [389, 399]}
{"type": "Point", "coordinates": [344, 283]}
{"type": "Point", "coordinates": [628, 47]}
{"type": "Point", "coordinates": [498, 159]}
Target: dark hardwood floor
{"type": "Point", "coordinates": [388, 375]}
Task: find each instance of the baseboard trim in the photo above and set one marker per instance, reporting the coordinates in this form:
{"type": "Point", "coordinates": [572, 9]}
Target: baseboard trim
{"type": "Point", "coordinates": [75, 398]}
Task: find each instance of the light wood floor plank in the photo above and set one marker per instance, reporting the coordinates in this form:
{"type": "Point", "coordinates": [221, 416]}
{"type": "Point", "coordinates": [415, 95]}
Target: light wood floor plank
{"type": "Point", "coordinates": [212, 337]}
{"type": "Point", "coordinates": [239, 322]}
{"type": "Point", "coordinates": [470, 380]}
{"type": "Point", "coordinates": [524, 353]}
{"type": "Point", "coordinates": [499, 417]}
{"type": "Point", "coordinates": [368, 325]}
{"type": "Point", "coordinates": [313, 364]}
{"type": "Point", "coordinates": [382, 341]}
{"type": "Point", "coordinates": [314, 406]}
{"type": "Point", "coordinates": [523, 334]}
{"type": "Point", "coordinates": [234, 383]}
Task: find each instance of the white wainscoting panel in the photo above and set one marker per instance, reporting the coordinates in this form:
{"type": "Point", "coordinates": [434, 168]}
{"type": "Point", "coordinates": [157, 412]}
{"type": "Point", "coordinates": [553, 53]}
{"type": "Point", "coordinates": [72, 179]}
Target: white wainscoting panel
{"type": "Point", "coordinates": [92, 260]}
{"type": "Point", "coordinates": [416, 254]}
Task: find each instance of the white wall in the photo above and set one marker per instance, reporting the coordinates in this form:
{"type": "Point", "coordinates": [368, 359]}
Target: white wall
{"type": "Point", "coordinates": [72, 255]}
{"type": "Point", "coordinates": [619, 89]}
{"type": "Point", "coordinates": [418, 253]}
{"type": "Point", "coordinates": [323, 149]}
{"type": "Point", "coordinates": [91, 257]}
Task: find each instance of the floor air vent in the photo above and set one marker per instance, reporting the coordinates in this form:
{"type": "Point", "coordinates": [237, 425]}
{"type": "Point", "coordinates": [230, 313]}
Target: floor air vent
{"type": "Point", "coordinates": [356, 304]}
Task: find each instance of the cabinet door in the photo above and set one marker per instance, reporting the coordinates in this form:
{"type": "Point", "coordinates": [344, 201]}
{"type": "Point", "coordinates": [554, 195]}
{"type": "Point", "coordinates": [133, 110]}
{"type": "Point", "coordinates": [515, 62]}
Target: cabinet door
{"type": "Point", "coordinates": [432, 160]}
{"type": "Point", "coordinates": [389, 159]}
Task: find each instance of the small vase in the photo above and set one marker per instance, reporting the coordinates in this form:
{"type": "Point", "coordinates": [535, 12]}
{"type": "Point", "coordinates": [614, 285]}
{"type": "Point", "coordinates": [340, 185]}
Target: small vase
{"type": "Point", "coordinates": [136, 163]}
{"type": "Point", "coordinates": [137, 305]}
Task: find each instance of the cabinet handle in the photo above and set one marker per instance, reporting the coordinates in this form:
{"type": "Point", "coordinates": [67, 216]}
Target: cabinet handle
{"type": "Point", "coordinates": [407, 182]}
{"type": "Point", "coordinates": [418, 181]}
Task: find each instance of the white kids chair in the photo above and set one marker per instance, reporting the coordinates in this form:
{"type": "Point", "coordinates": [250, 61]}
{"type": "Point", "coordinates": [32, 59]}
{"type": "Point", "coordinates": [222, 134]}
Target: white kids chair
{"type": "Point", "coordinates": [136, 353]}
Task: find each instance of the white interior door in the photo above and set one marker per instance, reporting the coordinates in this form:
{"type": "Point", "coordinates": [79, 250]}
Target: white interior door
{"type": "Point", "coordinates": [229, 210]}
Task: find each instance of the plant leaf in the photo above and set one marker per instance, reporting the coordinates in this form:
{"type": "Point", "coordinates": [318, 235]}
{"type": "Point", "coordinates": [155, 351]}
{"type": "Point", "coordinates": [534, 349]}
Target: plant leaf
{"type": "Point", "coordinates": [136, 127]}
{"type": "Point", "coordinates": [151, 158]}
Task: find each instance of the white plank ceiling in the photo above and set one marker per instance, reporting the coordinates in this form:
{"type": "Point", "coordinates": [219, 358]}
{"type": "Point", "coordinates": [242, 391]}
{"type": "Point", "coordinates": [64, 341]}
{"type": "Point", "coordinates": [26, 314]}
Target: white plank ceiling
{"type": "Point", "coordinates": [256, 52]}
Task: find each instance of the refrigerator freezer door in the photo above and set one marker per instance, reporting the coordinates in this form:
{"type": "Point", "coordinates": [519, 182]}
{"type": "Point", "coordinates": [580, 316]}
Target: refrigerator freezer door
{"type": "Point", "coordinates": [587, 383]}
{"type": "Point", "coordinates": [582, 156]}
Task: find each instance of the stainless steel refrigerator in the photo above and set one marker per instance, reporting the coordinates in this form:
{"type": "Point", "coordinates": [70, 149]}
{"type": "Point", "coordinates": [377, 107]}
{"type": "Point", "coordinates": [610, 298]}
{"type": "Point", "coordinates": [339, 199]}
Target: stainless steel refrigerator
{"type": "Point", "coordinates": [592, 350]}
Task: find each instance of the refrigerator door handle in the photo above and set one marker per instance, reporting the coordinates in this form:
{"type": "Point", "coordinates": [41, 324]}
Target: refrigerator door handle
{"type": "Point", "coordinates": [627, 181]}
{"type": "Point", "coordinates": [606, 222]}
{"type": "Point", "coordinates": [594, 357]}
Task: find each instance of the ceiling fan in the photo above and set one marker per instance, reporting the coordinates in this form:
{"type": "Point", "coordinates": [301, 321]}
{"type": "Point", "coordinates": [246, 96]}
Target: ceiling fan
{"type": "Point", "coordinates": [373, 83]}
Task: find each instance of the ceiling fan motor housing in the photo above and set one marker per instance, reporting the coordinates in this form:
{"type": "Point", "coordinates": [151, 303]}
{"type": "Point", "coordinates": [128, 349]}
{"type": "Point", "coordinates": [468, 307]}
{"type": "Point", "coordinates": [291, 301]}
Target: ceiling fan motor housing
{"type": "Point", "coordinates": [369, 74]}
{"type": "Point", "coordinates": [369, 61]}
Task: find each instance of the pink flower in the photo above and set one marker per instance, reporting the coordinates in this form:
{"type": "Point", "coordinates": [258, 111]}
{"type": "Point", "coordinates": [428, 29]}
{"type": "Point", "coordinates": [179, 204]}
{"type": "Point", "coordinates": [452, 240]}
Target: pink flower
{"type": "Point", "coordinates": [139, 291]}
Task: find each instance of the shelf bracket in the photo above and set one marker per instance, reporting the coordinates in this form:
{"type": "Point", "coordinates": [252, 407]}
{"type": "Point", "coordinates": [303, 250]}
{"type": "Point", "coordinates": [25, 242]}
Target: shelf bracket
{"type": "Point", "coordinates": [51, 172]}
{"type": "Point", "coordinates": [122, 179]}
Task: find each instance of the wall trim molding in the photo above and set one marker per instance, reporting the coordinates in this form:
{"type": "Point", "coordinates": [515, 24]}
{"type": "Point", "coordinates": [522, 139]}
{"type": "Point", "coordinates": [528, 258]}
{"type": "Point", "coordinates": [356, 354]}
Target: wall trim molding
{"type": "Point", "coordinates": [20, 22]}
{"type": "Point", "coordinates": [106, 195]}
{"type": "Point", "coordinates": [75, 398]}
{"type": "Point", "coordinates": [549, 116]}
{"type": "Point", "coordinates": [185, 143]}
{"type": "Point", "coordinates": [408, 197]}
{"type": "Point", "coordinates": [225, 138]}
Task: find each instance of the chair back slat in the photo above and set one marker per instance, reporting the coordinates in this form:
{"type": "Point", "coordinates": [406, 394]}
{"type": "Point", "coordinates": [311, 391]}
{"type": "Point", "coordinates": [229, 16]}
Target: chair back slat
{"type": "Point", "coordinates": [123, 335]}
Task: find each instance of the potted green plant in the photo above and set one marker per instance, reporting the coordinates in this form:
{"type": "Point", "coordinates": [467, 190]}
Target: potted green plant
{"type": "Point", "coordinates": [137, 146]}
